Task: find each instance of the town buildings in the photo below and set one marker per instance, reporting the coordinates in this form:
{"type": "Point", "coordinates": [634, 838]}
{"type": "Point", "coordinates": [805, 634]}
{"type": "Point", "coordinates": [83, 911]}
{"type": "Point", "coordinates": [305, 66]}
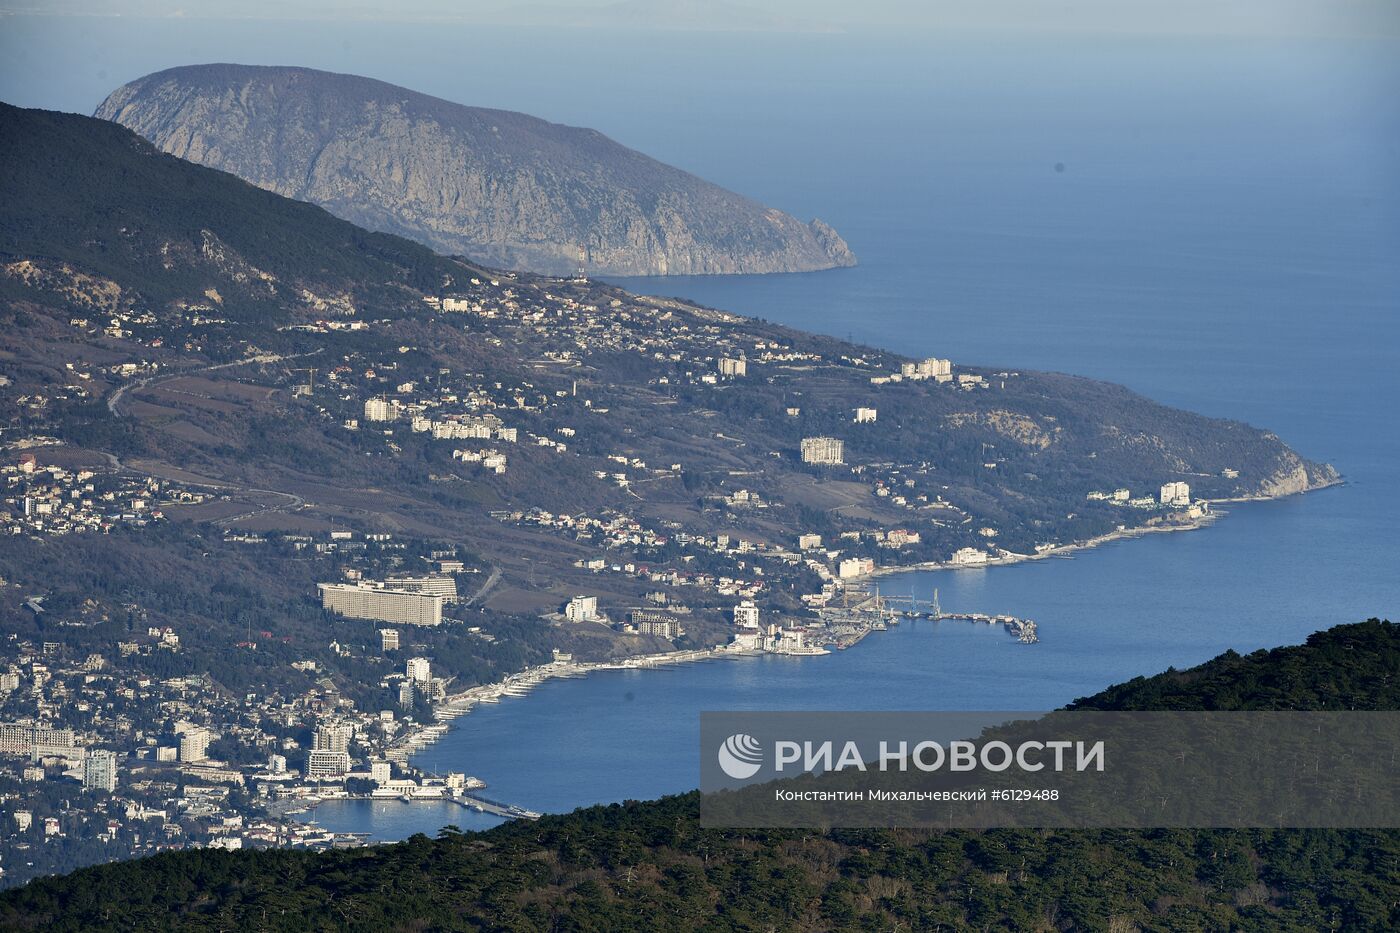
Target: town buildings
{"type": "Point", "coordinates": [323, 764]}
{"type": "Point", "coordinates": [363, 600]}
{"type": "Point", "coordinates": [418, 670]}
{"type": "Point", "coordinates": [1176, 493]}
{"type": "Point", "coordinates": [746, 614]}
{"type": "Point", "coordinates": [582, 609]}
{"type": "Point", "coordinates": [855, 567]}
{"type": "Point", "coordinates": [652, 622]}
{"type": "Point", "coordinates": [733, 367]}
{"type": "Point", "coordinates": [194, 744]}
{"type": "Point", "coordinates": [823, 450]}
{"type": "Point", "coordinates": [100, 770]}
{"type": "Point", "coordinates": [37, 741]}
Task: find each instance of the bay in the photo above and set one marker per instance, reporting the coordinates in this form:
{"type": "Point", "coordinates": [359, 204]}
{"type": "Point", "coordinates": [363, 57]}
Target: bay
{"type": "Point", "coordinates": [1207, 254]}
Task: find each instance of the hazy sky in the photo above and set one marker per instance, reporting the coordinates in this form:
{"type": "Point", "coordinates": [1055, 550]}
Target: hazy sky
{"type": "Point", "coordinates": [1192, 17]}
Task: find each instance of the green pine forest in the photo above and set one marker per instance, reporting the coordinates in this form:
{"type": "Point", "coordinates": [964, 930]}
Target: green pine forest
{"type": "Point", "coordinates": [649, 866]}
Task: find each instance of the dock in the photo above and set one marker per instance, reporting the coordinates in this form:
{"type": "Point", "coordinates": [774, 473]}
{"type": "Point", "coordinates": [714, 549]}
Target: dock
{"type": "Point", "coordinates": [509, 811]}
{"type": "Point", "coordinates": [889, 609]}
{"type": "Point", "coordinates": [1024, 630]}
{"type": "Point", "coordinates": [290, 806]}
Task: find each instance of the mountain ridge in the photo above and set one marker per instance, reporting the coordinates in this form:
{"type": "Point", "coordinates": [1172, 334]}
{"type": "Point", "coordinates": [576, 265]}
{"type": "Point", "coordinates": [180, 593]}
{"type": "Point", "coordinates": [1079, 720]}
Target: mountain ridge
{"type": "Point", "coordinates": [173, 243]}
{"type": "Point", "coordinates": [505, 188]}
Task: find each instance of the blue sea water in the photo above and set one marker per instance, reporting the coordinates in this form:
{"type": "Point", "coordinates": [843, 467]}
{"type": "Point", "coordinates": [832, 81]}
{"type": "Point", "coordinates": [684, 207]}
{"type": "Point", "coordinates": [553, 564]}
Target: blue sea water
{"type": "Point", "coordinates": [1214, 223]}
{"type": "Point", "coordinates": [1224, 235]}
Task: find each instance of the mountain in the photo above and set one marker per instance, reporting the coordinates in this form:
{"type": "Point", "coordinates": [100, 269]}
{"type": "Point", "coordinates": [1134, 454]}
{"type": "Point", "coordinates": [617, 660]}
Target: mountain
{"type": "Point", "coordinates": [84, 198]}
{"type": "Point", "coordinates": [650, 866]}
{"type": "Point", "coordinates": [504, 188]}
{"type": "Point", "coordinates": [119, 259]}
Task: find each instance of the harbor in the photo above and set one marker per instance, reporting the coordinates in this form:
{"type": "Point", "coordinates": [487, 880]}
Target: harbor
{"type": "Point", "coordinates": [522, 684]}
{"type": "Point", "coordinates": [562, 750]}
{"type": "Point", "coordinates": [873, 611]}
{"type": "Point", "coordinates": [837, 628]}
{"type": "Point", "coordinates": [842, 627]}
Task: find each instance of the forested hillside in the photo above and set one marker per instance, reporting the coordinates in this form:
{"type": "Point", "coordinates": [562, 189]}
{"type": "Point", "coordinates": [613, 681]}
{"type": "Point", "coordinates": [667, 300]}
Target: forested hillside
{"type": "Point", "coordinates": [648, 866]}
{"type": "Point", "coordinates": [88, 197]}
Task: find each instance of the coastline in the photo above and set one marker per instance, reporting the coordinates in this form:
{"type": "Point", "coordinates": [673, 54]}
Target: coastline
{"type": "Point", "coordinates": [520, 684]}
{"type": "Point", "coordinates": [1061, 550]}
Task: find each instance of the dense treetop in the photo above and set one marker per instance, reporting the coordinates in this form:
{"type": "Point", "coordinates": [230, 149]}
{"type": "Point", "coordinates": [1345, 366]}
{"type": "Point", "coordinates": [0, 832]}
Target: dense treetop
{"type": "Point", "coordinates": [648, 866]}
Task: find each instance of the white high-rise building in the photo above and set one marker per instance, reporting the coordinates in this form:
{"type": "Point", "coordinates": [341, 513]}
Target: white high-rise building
{"type": "Point", "coordinates": [379, 409]}
{"type": "Point", "coordinates": [866, 415]}
{"type": "Point", "coordinates": [194, 744]}
{"type": "Point", "coordinates": [382, 605]}
{"type": "Point", "coordinates": [334, 736]}
{"type": "Point", "coordinates": [1176, 494]}
{"type": "Point", "coordinates": [853, 567]}
{"type": "Point", "coordinates": [388, 639]}
{"type": "Point", "coordinates": [100, 770]}
{"type": "Point", "coordinates": [323, 763]}
{"type": "Point", "coordinates": [582, 609]}
{"type": "Point", "coordinates": [381, 772]}
{"type": "Point", "coordinates": [825, 450]}
{"type": "Point", "coordinates": [746, 614]}
{"type": "Point", "coordinates": [732, 367]}
{"type": "Point", "coordinates": [418, 670]}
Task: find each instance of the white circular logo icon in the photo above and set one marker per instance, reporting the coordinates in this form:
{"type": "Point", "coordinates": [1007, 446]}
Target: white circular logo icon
{"type": "Point", "coordinates": [740, 756]}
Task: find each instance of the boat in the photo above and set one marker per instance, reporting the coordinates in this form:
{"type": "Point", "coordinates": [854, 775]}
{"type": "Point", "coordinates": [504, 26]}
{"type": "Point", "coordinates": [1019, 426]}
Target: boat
{"type": "Point", "coordinates": [804, 651]}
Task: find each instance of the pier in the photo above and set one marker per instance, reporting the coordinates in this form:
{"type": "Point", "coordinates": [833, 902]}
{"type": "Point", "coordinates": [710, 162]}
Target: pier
{"type": "Point", "coordinates": [882, 610]}
{"type": "Point", "coordinates": [509, 811]}
{"type": "Point", "coordinates": [288, 806]}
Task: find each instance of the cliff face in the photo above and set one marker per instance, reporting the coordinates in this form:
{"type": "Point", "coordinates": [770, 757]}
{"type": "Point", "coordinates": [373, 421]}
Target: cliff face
{"type": "Point", "coordinates": [504, 188]}
{"type": "Point", "coordinates": [1297, 475]}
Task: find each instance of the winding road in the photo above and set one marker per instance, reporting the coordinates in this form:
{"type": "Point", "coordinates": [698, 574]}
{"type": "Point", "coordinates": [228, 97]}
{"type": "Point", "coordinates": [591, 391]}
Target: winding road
{"type": "Point", "coordinates": [291, 501]}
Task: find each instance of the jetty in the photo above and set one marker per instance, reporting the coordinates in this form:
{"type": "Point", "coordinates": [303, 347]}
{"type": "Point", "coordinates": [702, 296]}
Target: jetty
{"type": "Point", "coordinates": [290, 806]}
{"type": "Point", "coordinates": [509, 811]}
{"type": "Point", "coordinates": [879, 610]}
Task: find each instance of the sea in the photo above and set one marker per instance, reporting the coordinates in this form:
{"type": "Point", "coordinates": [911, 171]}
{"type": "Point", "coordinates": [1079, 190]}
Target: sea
{"type": "Point", "coordinates": [1213, 221]}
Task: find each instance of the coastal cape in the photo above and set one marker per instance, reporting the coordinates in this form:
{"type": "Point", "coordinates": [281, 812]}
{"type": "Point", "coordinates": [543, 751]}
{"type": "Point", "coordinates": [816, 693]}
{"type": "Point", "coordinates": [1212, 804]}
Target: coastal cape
{"type": "Point", "coordinates": [504, 188]}
{"type": "Point", "coordinates": [632, 441]}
